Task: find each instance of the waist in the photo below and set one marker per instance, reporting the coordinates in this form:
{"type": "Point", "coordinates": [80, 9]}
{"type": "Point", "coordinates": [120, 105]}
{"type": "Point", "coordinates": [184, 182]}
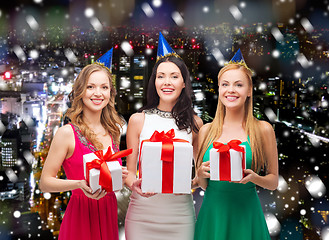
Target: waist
{"type": "Point", "coordinates": [230, 186]}
{"type": "Point", "coordinates": [159, 199]}
{"type": "Point", "coordinates": [79, 192]}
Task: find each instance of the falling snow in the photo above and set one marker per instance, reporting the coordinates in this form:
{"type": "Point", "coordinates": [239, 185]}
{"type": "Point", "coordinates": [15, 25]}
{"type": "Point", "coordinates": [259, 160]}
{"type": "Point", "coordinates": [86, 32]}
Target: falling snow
{"type": "Point", "coordinates": [234, 10]}
{"type": "Point", "coordinates": [270, 114]}
{"type": "Point", "coordinates": [157, 3]}
{"type": "Point", "coordinates": [148, 10]}
{"type": "Point", "coordinates": [307, 25]}
{"type": "Point", "coordinates": [97, 25]}
{"type": "Point", "coordinates": [126, 47]}
{"type": "Point", "coordinates": [277, 34]}
{"type": "Point", "coordinates": [34, 25]}
{"type": "Point", "coordinates": [298, 47]}
{"type": "Point", "coordinates": [178, 19]}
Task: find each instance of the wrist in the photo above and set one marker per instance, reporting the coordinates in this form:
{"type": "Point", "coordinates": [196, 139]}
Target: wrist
{"type": "Point", "coordinates": [78, 184]}
{"type": "Point", "coordinates": [129, 183]}
{"type": "Point", "coordinates": [256, 178]}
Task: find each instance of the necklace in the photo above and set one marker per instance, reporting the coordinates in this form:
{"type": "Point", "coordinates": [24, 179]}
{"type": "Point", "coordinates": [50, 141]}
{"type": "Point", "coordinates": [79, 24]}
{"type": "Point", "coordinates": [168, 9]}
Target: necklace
{"type": "Point", "coordinates": [159, 112]}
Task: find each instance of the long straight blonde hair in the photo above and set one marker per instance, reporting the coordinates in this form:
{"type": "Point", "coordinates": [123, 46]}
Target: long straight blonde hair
{"type": "Point", "coordinates": [110, 119]}
{"type": "Point", "coordinates": [250, 124]}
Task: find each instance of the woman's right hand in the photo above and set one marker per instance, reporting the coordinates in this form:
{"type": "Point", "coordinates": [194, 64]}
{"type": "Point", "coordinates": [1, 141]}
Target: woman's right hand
{"type": "Point", "coordinates": [88, 192]}
{"type": "Point", "coordinates": [136, 186]}
{"type": "Point", "coordinates": [204, 170]}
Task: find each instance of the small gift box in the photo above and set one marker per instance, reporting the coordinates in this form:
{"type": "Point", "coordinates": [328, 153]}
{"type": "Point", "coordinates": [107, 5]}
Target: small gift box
{"type": "Point", "coordinates": [102, 169]}
{"type": "Point", "coordinates": [165, 164]}
{"type": "Point", "coordinates": [227, 162]}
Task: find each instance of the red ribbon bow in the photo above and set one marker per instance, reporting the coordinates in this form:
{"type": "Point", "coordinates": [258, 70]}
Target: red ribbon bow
{"type": "Point", "coordinates": [224, 163]}
{"type": "Point", "coordinates": [167, 157]}
{"type": "Point", "coordinates": [105, 178]}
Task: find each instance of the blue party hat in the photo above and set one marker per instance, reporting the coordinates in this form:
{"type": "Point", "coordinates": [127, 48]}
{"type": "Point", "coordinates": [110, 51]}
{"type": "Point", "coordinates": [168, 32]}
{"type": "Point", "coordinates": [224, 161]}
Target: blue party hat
{"type": "Point", "coordinates": [106, 60]}
{"type": "Point", "coordinates": [238, 59]}
{"type": "Point", "coordinates": [164, 49]}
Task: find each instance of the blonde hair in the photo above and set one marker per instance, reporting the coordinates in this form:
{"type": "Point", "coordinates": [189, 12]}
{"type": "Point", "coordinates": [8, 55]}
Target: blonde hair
{"type": "Point", "coordinates": [110, 119]}
{"type": "Point", "coordinates": [250, 124]}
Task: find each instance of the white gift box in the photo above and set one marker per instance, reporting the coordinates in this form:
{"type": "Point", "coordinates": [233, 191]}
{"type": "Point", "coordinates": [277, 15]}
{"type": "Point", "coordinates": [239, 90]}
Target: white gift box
{"type": "Point", "coordinates": [236, 165]}
{"type": "Point", "coordinates": [151, 167]}
{"type": "Point", "coordinates": [114, 167]}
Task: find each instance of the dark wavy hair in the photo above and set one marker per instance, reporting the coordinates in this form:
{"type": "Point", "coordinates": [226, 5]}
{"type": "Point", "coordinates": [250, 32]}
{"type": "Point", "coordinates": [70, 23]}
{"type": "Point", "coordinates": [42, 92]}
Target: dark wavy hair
{"type": "Point", "coordinates": [182, 111]}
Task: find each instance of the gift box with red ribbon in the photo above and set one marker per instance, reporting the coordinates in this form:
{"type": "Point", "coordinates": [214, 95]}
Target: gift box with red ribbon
{"type": "Point", "coordinates": [165, 164]}
{"type": "Point", "coordinates": [227, 161]}
{"type": "Point", "coordinates": [102, 169]}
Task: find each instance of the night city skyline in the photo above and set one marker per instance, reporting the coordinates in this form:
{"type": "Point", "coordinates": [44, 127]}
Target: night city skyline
{"type": "Point", "coordinates": [45, 44]}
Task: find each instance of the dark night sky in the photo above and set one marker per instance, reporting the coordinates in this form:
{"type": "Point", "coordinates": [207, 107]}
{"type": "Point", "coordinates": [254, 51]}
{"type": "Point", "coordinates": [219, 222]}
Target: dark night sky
{"type": "Point", "coordinates": [255, 10]}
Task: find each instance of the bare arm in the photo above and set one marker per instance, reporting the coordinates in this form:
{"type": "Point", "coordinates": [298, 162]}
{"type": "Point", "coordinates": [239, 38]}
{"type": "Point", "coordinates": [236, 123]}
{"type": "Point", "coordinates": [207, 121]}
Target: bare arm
{"type": "Point", "coordinates": [195, 144]}
{"type": "Point", "coordinates": [61, 147]}
{"type": "Point", "coordinates": [134, 129]}
{"type": "Point", "coordinates": [203, 170]}
{"type": "Point", "coordinates": [270, 180]}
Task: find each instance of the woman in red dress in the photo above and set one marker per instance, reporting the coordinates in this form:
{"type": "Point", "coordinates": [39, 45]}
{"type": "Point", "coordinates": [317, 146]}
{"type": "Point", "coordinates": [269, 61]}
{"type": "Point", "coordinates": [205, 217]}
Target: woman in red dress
{"type": "Point", "coordinates": [95, 125]}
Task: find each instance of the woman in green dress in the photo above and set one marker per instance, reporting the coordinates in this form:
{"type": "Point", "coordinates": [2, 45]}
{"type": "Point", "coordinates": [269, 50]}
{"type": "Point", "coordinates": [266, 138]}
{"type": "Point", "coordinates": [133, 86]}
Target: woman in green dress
{"type": "Point", "coordinates": [231, 210]}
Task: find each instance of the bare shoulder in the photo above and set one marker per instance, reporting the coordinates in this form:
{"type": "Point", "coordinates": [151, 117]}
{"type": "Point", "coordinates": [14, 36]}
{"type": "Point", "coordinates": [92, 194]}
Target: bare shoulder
{"type": "Point", "coordinates": [266, 128]}
{"type": "Point", "coordinates": [204, 129]}
{"type": "Point", "coordinates": [198, 121]}
{"type": "Point", "coordinates": [64, 137]}
{"type": "Point", "coordinates": [137, 119]}
{"type": "Point", "coordinates": [136, 122]}
{"type": "Point", "coordinates": [65, 131]}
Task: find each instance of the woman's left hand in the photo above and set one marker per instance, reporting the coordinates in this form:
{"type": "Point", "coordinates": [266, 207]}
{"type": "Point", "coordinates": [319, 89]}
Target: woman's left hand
{"type": "Point", "coordinates": [250, 176]}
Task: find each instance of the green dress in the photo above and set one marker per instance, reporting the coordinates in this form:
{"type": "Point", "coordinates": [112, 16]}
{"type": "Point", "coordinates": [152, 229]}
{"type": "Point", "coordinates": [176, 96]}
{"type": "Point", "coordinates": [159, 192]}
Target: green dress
{"type": "Point", "coordinates": [231, 211]}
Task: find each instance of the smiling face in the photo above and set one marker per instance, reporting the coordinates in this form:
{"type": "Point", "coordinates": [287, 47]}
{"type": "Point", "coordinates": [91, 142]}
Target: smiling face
{"type": "Point", "coordinates": [169, 83]}
{"type": "Point", "coordinates": [234, 88]}
{"type": "Point", "coordinates": [97, 94]}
